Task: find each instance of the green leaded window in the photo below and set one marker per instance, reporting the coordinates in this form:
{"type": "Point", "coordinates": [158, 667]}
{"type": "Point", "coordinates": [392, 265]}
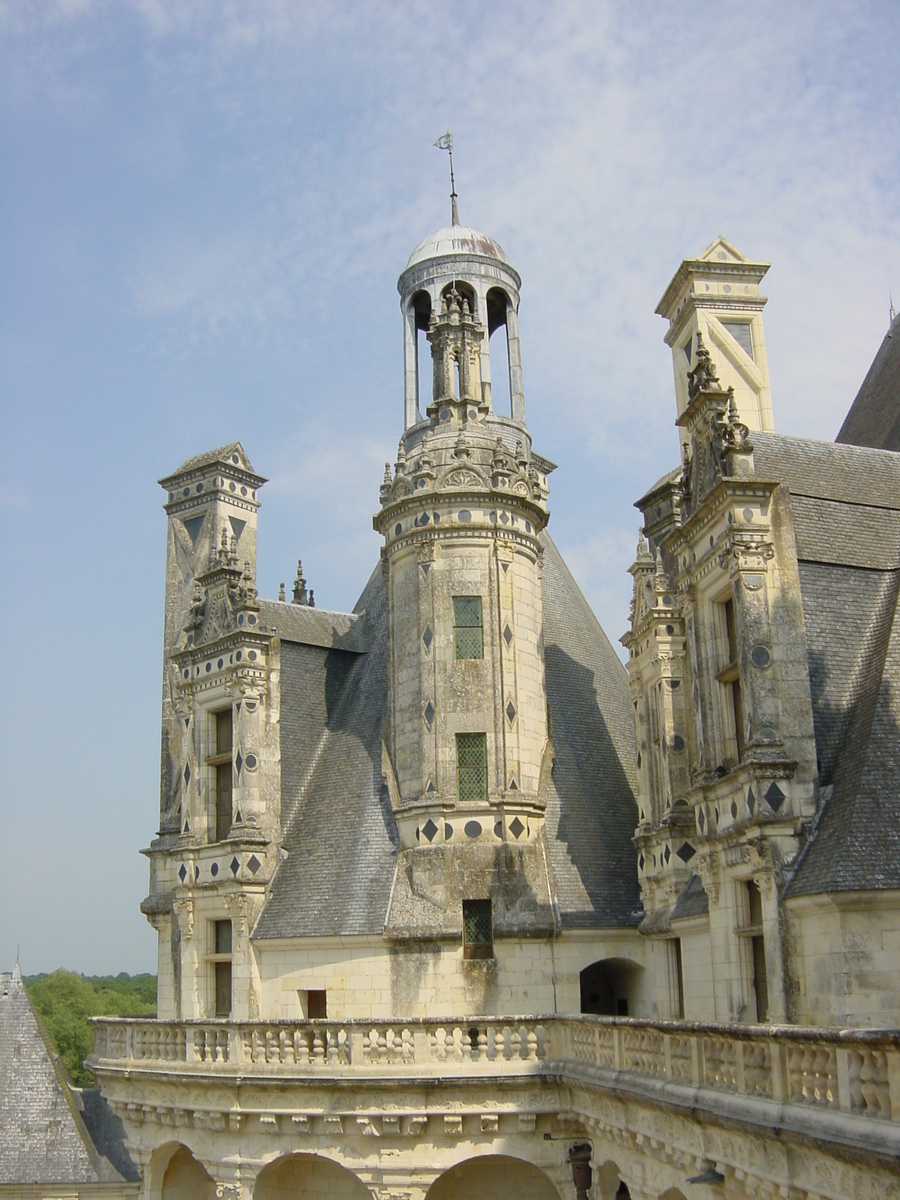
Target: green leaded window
{"type": "Point", "coordinates": [478, 932]}
{"type": "Point", "coordinates": [471, 767]}
{"type": "Point", "coordinates": [468, 631]}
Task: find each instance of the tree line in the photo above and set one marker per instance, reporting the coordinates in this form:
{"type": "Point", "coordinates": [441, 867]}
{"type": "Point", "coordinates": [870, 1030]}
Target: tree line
{"type": "Point", "coordinates": [66, 1001]}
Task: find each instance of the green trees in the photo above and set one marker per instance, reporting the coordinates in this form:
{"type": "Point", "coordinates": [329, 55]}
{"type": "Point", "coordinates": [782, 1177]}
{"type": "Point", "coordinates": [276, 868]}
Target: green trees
{"type": "Point", "coordinates": [66, 1002]}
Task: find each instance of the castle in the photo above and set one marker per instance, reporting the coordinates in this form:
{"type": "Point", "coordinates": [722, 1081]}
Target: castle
{"type": "Point", "coordinates": [452, 904]}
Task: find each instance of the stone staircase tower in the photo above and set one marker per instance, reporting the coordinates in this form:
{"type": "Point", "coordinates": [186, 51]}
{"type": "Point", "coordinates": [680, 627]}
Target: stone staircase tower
{"type": "Point", "coordinates": [467, 752]}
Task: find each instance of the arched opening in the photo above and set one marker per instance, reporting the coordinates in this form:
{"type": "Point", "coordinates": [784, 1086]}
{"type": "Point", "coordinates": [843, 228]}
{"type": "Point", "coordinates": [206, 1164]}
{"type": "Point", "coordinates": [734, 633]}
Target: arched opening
{"type": "Point", "coordinates": [420, 307]}
{"type": "Point", "coordinates": [465, 291]}
{"type": "Point", "coordinates": [497, 308]}
{"type": "Point", "coordinates": [308, 1177]}
{"type": "Point", "coordinates": [186, 1179]}
{"type": "Point", "coordinates": [673, 1194]}
{"type": "Point", "coordinates": [493, 1177]}
{"type": "Point", "coordinates": [610, 1185]}
{"type": "Point", "coordinates": [610, 987]}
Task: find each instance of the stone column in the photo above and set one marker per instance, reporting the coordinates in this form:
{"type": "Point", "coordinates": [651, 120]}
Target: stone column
{"type": "Point", "coordinates": [410, 369]}
{"type": "Point", "coordinates": [516, 386]}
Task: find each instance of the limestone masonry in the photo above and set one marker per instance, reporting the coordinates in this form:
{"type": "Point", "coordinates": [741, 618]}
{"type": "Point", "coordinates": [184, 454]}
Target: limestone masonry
{"type": "Point", "coordinates": [449, 902]}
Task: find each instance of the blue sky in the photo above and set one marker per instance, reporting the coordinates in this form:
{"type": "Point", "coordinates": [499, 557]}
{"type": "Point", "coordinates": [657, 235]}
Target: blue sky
{"type": "Point", "coordinates": [205, 208]}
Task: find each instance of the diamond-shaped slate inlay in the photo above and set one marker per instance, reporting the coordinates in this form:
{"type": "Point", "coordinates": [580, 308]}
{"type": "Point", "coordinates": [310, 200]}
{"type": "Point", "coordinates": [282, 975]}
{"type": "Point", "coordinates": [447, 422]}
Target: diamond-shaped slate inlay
{"type": "Point", "coordinates": [193, 525]}
{"type": "Point", "coordinates": [235, 865]}
{"type": "Point", "coordinates": [775, 797]}
{"type": "Point", "coordinates": [187, 774]}
{"type": "Point", "coordinates": [430, 829]}
{"type": "Point", "coordinates": [686, 852]}
{"type": "Point", "coordinates": [182, 874]}
{"type": "Point", "coordinates": [429, 712]}
{"type": "Point", "coordinates": [751, 801]}
{"type": "Point", "coordinates": [427, 637]}
{"type": "Point", "coordinates": [667, 854]}
{"type": "Point", "coordinates": [734, 810]}
{"type": "Point", "coordinates": [238, 820]}
{"type": "Point", "coordinates": [239, 762]}
{"type": "Point", "coordinates": [253, 863]}
{"type": "Point", "coordinates": [511, 711]}
{"type": "Point", "coordinates": [516, 828]}
{"type": "Point", "coordinates": [507, 634]}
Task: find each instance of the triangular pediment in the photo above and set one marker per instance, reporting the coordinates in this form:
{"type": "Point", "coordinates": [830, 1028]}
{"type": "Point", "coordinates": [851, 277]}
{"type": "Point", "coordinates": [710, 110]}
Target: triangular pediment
{"type": "Point", "coordinates": [721, 250]}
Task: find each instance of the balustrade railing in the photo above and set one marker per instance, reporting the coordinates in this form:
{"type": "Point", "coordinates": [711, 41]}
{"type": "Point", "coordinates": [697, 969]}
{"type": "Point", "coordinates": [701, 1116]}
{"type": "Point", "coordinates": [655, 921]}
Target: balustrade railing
{"type": "Point", "coordinates": [847, 1071]}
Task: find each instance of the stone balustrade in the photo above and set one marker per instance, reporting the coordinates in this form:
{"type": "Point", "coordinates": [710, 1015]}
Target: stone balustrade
{"type": "Point", "coordinates": [851, 1071]}
{"type": "Point", "coordinates": [854, 1072]}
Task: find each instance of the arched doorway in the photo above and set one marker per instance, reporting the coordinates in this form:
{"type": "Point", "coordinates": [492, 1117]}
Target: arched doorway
{"type": "Point", "coordinates": [493, 1177]}
{"type": "Point", "coordinates": [610, 987]}
{"type": "Point", "coordinates": [186, 1179]}
{"type": "Point", "coordinates": [308, 1177]}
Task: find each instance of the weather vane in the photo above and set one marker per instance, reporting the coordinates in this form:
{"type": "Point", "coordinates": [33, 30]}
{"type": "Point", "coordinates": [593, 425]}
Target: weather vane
{"type": "Point", "coordinates": [445, 142]}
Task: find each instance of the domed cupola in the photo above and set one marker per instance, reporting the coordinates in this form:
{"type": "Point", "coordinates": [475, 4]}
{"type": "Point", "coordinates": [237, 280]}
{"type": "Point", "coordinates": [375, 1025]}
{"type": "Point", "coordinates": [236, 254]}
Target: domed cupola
{"type": "Point", "coordinates": [473, 265]}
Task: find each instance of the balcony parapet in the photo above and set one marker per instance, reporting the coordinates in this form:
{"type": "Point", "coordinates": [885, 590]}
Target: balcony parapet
{"type": "Point", "coordinates": [835, 1085]}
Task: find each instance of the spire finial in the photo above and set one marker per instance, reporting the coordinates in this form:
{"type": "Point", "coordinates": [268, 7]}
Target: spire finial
{"type": "Point", "coordinates": [445, 142]}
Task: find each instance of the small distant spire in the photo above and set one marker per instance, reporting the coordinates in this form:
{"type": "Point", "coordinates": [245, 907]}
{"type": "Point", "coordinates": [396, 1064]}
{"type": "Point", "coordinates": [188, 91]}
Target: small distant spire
{"type": "Point", "coordinates": [281, 595]}
{"type": "Point", "coordinates": [312, 598]}
{"type": "Point", "coordinates": [893, 313]}
{"type": "Point", "coordinates": [300, 594]}
{"type": "Point", "coordinates": [445, 142]}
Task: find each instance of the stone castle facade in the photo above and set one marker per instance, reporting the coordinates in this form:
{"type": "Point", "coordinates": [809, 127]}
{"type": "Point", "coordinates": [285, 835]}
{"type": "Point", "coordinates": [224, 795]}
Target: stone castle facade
{"type": "Point", "coordinates": [449, 903]}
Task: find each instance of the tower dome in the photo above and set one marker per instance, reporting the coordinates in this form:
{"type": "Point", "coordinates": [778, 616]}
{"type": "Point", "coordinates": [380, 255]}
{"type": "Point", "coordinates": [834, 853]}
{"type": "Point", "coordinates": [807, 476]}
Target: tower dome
{"type": "Point", "coordinates": [456, 239]}
{"type": "Point", "coordinates": [475, 266]}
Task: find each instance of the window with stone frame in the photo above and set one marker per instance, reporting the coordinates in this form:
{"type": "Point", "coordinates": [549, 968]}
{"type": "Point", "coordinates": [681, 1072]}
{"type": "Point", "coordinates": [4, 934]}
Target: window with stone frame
{"type": "Point", "coordinates": [221, 968]}
{"type": "Point", "coordinates": [750, 931]}
{"type": "Point", "coordinates": [729, 676]}
{"type": "Point", "coordinates": [478, 929]}
{"type": "Point", "coordinates": [471, 768]}
{"type": "Point", "coordinates": [223, 774]}
{"type": "Point", "coordinates": [676, 978]}
{"type": "Point", "coordinates": [468, 629]}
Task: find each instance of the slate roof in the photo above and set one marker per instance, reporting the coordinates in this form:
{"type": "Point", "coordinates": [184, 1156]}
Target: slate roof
{"type": "Point", "coordinates": [874, 417]}
{"type": "Point", "coordinates": [339, 830]}
{"type": "Point", "coordinates": [693, 901]}
{"type": "Point", "coordinates": [43, 1136]}
{"type": "Point", "coordinates": [845, 505]}
{"type": "Point", "coordinates": [340, 835]}
{"type": "Point", "coordinates": [311, 626]}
